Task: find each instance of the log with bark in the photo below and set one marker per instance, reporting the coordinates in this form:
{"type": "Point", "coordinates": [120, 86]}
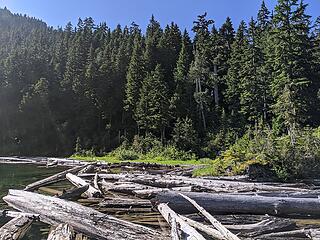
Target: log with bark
{"type": "Point", "coordinates": [83, 219]}
{"type": "Point", "coordinates": [16, 228]}
{"type": "Point", "coordinates": [241, 204]}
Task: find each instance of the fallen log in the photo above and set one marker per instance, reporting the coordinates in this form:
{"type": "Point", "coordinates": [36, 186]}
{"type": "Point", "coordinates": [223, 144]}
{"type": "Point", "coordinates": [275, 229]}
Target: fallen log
{"type": "Point", "coordinates": [52, 179]}
{"type": "Point", "coordinates": [222, 229]}
{"type": "Point", "coordinates": [79, 182]}
{"type": "Point", "coordinates": [125, 203]}
{"type": "Point", "coordinates": [16, 228]}
{"type": "Point", "coordinates": [83, 219]}
{"type": "Point", "coordinates": [189, 231]}
{"type": "Point", "coordinates": [296, 234]}
{"type": "Point", "coordinates": [168, 181]}
{"type": "Point", "coordinates": [240, 204]}
{"type": "Point", "coordinates": [12, 214]}
{"type": "Point", "coordinates": [204, 228]}
{"type": "Point", "coordinates": [74, 194]}
{"type": "Point", "coordinates": [61, 232]}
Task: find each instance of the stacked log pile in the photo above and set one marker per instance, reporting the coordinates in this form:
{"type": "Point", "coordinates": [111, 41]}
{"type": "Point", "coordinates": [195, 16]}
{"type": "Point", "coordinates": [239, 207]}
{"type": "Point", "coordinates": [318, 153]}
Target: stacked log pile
{"type": "Point", "coordinates": [150, 201]}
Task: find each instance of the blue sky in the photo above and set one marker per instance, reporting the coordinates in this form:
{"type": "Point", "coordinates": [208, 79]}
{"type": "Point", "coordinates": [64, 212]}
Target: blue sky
{"type": "Point", "coordinates": [183, 12]}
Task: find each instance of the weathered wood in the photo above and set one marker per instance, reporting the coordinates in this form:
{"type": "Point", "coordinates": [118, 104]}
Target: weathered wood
{"type": "Point", "coordinates": [174, 230]}
{"type": "Point", "coordinates": [16, 228]}
{"type": "Point", "coordinates": [301, 233]}
{"type": "Point", "coordinates": [79, 182]}
{"type": "Point", "coordinates": [13, 214]}
{"type": "Point", "coordinates": [168, 181]}
{"type": "Point", "coordinates": [83, 219]}
{"type": "Point", "coordinates": [264, 227]}
{"type": "Point", "coordinates": [61, 232]}
{"type": "Point", "coordinates": [125, 202]}
{"type": "Point", "coordinates": [189, 231]}
{"type": "Point", "coordinates": [95, 182]}
{"type": "Point", "coordinates": [204, 228]}
{"type": "Point", "coordinates": [239, 204]}
{"type": "Point", "coordinates": [52, 179]}
{"type": "Point", "coordinates": [74, 194]}
{"type": "Point", "coordinates": [223, 230]}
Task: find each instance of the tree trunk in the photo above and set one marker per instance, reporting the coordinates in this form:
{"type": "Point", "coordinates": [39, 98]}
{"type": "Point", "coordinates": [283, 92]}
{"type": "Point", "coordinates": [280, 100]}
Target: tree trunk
{"type": "Point", "coordinates": [240, 204]}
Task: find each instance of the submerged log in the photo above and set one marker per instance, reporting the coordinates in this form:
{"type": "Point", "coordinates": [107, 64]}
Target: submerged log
{"type": "Point", "coordinates": [241, 204]}
{"type": "Point", "coordinates": [52, 179]}
{"type": "Point", "coordinates": [79, 182]}
{"type": "Point", "coordinates": [61, 232]}
{"type": "Point", "coordinates": [83, 219]}
{"type": "Point", "coordinates": [16, 228]}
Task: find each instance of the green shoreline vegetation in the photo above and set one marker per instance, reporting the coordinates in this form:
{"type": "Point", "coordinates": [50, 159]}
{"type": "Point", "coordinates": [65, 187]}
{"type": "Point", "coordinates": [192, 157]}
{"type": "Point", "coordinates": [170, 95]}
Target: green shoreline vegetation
{"type": "Point", "coordinates": [226, 99]}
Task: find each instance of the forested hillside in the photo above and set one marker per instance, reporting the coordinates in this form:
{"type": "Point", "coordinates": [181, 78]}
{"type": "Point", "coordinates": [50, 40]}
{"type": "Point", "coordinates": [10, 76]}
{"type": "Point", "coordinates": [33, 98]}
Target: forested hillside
{"type": "Point", "coordinates": [89, 87]}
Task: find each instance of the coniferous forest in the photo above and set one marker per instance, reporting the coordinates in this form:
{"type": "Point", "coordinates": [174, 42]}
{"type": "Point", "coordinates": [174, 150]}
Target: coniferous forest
{"type": "Point", "coordinates": [237, 94]}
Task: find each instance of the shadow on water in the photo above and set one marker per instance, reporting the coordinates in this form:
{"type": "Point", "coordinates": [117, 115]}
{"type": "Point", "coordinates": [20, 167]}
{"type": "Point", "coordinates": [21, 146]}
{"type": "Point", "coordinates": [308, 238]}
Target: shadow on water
{"type": "Point", "coordinates": [17, 176]}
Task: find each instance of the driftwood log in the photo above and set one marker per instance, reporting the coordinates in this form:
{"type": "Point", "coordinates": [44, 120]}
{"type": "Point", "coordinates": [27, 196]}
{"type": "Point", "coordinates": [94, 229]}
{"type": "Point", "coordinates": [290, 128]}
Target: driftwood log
{"type": "Point", "coordinates": [52, 179]}
{"type": "Point", "coordinates": [79, 182]}
{"type": "Point", "coordinates": [221, 186]}
{"type": "Point", "coordinates": [16, 228]}
{"type": "Point", "coordinates": [83, 219]}
{"type": "Point", "coordinates": [240, 204]}
{"type": "Point", "coordinates": [170, 216]}
{"type": "Point", "coordinates": [222, 229]}
{"type": "Point", "coordinates": [61, 232]}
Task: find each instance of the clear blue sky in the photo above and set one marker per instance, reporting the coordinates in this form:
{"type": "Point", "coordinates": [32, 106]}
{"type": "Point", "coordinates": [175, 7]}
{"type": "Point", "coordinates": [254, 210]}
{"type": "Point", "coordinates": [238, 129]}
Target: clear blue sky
{"type": "Point", "coordinates": [183, 12]}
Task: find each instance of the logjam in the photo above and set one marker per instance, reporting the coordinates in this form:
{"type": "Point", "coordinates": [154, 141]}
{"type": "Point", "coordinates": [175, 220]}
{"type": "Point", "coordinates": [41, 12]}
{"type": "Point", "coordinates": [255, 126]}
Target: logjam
{"type": "Point", "coordinates": [83, 219]}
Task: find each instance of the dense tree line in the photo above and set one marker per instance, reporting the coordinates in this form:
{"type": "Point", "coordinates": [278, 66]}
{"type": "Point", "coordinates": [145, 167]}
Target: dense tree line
{"type": "Point", "coordinates": [96, 87]}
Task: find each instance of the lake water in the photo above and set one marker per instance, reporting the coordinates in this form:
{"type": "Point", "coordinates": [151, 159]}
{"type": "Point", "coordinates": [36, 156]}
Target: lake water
{"type": "Point", "coordinates": [17, 176]}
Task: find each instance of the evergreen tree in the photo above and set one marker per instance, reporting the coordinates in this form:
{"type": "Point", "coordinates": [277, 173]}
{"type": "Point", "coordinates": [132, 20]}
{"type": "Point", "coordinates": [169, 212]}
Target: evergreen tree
{"type": "Point", "coordinates": [153, 110]}
{"type": "Point", "coordinates": [291, 62]}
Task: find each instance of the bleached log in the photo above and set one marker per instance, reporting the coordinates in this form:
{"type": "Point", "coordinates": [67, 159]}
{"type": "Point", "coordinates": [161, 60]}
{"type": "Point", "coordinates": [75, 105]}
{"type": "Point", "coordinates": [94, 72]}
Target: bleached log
{"type": "Point", "coordinates": [52, 179]}
{"type": "Point", "coordinates": [204, 228]}
{"type": "Point", "coordinates": [223, 230]}
{"type": "Point", "coordinates": [16, 228]}
{"type": "Point", "coordinates": [295, 234]}
{"type": "Point", "coordinates": [79, 182]}
{"type": "Point", "coordinates": [85, 220]}
{"type": "Point", "coordinates": [61, 232]}
{"type": "Point", "coordinates": [174, 230]}
{"type": "Point", "coordinates": [168, 181]}
{"type": "Point", "coordinates": [125, 203]}
{"type": "Point", "coordinates": [168, 214]}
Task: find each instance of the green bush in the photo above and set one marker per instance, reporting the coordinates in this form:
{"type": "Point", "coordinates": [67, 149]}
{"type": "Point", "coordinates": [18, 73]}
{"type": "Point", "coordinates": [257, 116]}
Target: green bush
{"type": "Point", "coordinates": [298, 160]}
{"type": "Point", "coordinates": [124, 154]}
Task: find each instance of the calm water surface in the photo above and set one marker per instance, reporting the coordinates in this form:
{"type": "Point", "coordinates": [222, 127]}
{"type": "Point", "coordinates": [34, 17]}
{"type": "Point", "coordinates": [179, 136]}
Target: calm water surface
{"type": "Point", "coordinates": [17, 176]}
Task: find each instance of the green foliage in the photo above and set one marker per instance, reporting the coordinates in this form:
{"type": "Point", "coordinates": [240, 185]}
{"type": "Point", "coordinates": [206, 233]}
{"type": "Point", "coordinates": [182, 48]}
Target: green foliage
{"type": "Point", "coordinates": [184, 136]}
